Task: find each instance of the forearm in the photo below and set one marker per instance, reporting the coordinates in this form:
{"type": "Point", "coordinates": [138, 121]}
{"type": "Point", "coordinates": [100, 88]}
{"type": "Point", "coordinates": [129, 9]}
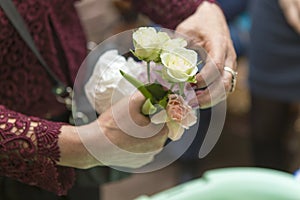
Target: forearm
{"type": "Point", "coordinates": [120, 137]}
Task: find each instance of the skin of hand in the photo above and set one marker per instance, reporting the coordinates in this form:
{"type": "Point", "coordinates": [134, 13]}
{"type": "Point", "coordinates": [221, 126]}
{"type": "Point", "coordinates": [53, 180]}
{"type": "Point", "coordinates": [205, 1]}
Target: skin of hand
{"type": "Point", "coordinates": [208, 28]}
{"type": "Point", "coordinates": [138, 134]}
{"type": "Point", "coordinates": [74, 152]}
{"type": "Point", "coordinates": [291, 11]}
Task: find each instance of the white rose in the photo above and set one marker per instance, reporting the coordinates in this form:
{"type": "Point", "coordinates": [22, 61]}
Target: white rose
{"type": "Point", "coordinates": [148, 43]}
{"type": "Point", "coordinates": [106, 85]}
{"type": "Point", "coordinates": [180, 65]}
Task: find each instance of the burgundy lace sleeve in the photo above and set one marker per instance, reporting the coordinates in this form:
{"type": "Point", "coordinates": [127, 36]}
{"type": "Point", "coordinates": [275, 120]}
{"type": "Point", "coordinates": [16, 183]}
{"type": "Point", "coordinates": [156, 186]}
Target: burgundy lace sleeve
{"type": "Point", "coordinates": [29, 152]}
{"type": "Point", "coordinates": [168, 13]}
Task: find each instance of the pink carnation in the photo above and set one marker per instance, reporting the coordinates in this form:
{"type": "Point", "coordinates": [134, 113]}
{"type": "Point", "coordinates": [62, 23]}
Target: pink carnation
{"type": "Point", "coordinates": [178, 116]}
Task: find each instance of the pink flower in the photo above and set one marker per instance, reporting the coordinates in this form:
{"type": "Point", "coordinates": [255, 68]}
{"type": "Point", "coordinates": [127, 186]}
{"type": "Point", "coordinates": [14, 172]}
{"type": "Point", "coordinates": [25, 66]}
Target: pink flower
{"type": "Point", "coordinates": [178, 116]}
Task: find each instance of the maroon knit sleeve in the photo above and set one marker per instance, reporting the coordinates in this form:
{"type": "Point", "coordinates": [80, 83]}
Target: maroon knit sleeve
{"type": "Point", "coordinates": [29, 152]}
{"type": "Point", "coordinates": [168, 13]}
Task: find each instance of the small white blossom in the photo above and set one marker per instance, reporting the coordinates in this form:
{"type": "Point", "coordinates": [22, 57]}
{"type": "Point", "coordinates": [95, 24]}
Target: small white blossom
{"type": "Point", "coordinates": [148, 43]}
{"type": "Point", "coordinates": [180, 64]}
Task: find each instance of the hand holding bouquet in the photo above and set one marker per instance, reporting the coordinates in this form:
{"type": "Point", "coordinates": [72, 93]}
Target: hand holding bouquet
{"type": "Point", "coordinates": [175, 66]}
{"type": "Point", "coordinates": [161, 68]}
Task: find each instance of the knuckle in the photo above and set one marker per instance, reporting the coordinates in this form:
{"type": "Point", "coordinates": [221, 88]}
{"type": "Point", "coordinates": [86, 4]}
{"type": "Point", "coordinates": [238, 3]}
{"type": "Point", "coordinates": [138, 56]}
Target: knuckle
{"type": "Point", "coordinates": [205, 102]}
{"type": "Point", "coordinates": [219, 65]}
{"type": "Point", "coordinates": [227, 84]}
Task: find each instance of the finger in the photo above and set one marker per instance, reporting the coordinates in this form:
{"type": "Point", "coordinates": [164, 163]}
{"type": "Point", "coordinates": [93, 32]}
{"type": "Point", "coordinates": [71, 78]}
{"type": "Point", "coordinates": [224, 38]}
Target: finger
{"type": "Point", "coordinates": [215, 93]}
{"type": "Point", "coordinates": [292, 16]}
{"type": "Point", "coordinates": [160, 138]}
{"type": "Point", "coordinates": [214, 62]}
{"type": "Point", "coordinates": [231, 58]}
{"type": "Point", "coordinates": [298, 11]}
{"type": "Point", "coordinates": [136, 102]}
{"type": "Point", "coordinates": [204, 98]}
{"type": "Point", "coordinates": [227, 81]}
{"type": "Point", "coordinates": [283, 4]}
{"type": "Point", "coordinates": [229, 77]}
{"type": "Point", "coordinates": [297, 2]}
{"type": "Point", "coordinates": [150, 144]}
{"type": "Point", "coordinates": [128, 118]}
{"type": "Point", "coordinates": [137, 99]}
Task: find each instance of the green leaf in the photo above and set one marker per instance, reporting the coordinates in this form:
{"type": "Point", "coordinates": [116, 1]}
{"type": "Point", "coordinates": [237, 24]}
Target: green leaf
{"type": "Point", "coordinates": [192, 79]}
{"type": "Point", "coordinates": [164, 101]}
{"type": "Point", "coordinates": [138, 84]}
{"type": "Point", "coordinates": [148, 108]}
{"type": "Point", "coordinates": [157, 91]}
{"type": "Point", "coordinates": [156, 94]}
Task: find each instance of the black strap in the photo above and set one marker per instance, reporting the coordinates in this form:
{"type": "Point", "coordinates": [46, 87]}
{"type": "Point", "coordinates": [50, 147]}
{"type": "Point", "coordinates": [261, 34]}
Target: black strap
{"type": "Point", "coordinates": [18, 22]}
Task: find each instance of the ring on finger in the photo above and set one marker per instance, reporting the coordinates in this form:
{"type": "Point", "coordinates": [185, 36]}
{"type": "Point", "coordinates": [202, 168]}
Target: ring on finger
{"type": "Point", "coordinates": [234, 78]}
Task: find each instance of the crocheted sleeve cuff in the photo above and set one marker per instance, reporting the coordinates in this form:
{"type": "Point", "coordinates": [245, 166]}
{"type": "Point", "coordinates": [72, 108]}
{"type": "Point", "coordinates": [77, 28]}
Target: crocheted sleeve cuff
{"type": "Point", "coordinates": [29, 152]}
{"type": "Point", "coordinates": [168, 13]}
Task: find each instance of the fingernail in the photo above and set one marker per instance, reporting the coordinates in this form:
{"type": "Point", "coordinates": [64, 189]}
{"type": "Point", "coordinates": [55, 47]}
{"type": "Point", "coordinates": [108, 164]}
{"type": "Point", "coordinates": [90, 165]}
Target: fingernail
{"type": "Point", "coordinates": [194, 103]}
{"type": "Point", "coordinates": [199, 92]}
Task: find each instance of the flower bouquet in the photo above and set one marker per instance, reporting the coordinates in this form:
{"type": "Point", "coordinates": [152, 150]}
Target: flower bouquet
{"type": "Point", "coordinates": [161, 68]}
{"type": "Point", "coordinates": [178, 66]}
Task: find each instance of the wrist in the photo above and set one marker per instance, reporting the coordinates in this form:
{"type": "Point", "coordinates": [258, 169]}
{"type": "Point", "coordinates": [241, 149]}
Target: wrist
{"type": "Point", "coordinates": [72, 151]}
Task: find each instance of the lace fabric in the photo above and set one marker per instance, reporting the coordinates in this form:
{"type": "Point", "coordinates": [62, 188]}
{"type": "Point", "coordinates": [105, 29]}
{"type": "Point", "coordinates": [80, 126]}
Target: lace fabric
{"type": "Point", "coordinates": [29, 152]}
{"type": "Point", "coordinates": [57, 33]}
{"type": "Point", "coordinates": [28, 145]}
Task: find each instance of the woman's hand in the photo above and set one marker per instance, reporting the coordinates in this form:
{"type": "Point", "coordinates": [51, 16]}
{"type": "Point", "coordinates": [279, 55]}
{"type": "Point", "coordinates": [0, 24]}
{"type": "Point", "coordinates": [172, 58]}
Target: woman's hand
{"type": "Point", "coordinates": [121, 136]}
{"type": "Point", "coordinates": [131, 140]}
{"type": "Point", "coordinates": [207, 28]}
{"type": "Point", "coordinates": [291, 10]}
{"type": "Point", "coordinates": [125, 126]}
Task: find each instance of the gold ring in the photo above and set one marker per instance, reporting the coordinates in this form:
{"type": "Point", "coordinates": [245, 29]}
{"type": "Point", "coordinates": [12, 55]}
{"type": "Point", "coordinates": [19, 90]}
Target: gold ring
{"type": "Point", "coordinates": [234, 77]}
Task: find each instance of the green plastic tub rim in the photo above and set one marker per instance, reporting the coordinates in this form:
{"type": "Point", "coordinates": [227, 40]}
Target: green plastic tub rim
{"type": "Point", "coordinates": [237, 183]}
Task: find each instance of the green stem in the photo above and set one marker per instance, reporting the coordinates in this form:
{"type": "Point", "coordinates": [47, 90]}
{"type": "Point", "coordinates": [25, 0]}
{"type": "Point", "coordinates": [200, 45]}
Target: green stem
{"type": "Point", "coordinates": [181, 88]}
{"type": "Point", "coordinates": [138, 84]}
{"type": "Point", "coordinates": [148, 71]}
{"type": "Point", "coordinates": [172, 86]}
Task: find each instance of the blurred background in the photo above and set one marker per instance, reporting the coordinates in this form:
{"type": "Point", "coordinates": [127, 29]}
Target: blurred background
{"type": "Point", "coordinates": [103, 18]}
